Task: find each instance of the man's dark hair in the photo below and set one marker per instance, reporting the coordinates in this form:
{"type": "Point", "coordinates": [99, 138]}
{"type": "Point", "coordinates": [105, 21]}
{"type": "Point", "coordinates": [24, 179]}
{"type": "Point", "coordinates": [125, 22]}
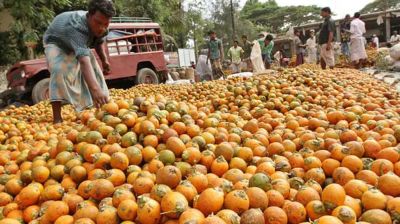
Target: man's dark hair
{"type": "Point", "coordinates": [236, 42]}
{"type": "Point", "coordinates": [211, 32]}
{"type": "Point", "coordinates": [326, 9]}
{"type": "Point", "coordinates": [244, 36]}
{"type": "Point", "coordinates": [357, 15]}
{"type": "Point", "coordinates": [269, 37]}
{"type": "Point", "coordinates": [106, 7]}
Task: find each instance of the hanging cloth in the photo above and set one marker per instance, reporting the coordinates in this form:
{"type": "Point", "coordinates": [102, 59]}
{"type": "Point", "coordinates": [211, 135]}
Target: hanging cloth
{"type": "Point", "coordinates": [379, 20]}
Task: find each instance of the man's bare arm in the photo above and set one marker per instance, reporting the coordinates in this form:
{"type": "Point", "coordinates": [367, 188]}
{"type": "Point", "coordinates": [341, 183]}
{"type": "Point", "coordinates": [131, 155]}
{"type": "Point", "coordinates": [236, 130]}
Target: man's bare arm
{"type": "Point", "coordinates": [208, 54]}
{"type": "Point", "coordinates": [98, 96]}
{"type": "Point", "coordinates": [100, 50]}
{"type": "Point", "coordinates": [329, 44]}
{"type": "Point", "coordinates": [221, 51]}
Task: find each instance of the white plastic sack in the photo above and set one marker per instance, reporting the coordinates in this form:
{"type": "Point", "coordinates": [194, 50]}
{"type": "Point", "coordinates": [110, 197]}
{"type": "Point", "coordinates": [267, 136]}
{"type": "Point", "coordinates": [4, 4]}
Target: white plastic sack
{"type": "Point", "coordinates": [242, 74]}
{"type": "Point", "coordinates": [170, 80]}
{"type": "Point", "coordinates": [182, 81]}
{"type": "Point", "coordinates": [383, 50]}
{"type": "Point", "coordinates": [290, 32]}
{"type": "Point", "coordinates": [395, 52]}
{"type": "Point", "coordinates": [178, 82]}
{"type": "Point", "coordinates": [202, 68]}
{"type": "Point", "coordinates": [256, 58]}
{"type": "Point", "coordinates": [389, 60]}
{"type": "Point", "coordinates": [396, 66]}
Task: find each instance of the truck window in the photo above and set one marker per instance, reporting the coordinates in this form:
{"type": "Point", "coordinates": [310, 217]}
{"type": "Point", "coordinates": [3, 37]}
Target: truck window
{"type": "Point", "coordinates": [118, 48]}
{"type": "Point", "coordinates": [134, 41]}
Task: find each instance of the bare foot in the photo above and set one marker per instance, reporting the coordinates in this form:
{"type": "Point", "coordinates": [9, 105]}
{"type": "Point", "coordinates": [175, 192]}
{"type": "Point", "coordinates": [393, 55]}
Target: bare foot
{"type": "Point", "coordinates": [57, 121]}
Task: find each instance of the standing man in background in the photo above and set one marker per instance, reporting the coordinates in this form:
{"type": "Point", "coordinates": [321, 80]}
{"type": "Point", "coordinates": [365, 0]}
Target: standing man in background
{"type": "Point", "coordinates": [311, 47]}
{"type": "Point", "coordinates": [357, 44]}
{"type": "Point", "coordinates": [261, 38]}
{"type": "Point", "coordinates": [216, 56]}
{"type": "Point", "coordinates": [203, 68]}
{"type": "Point", "coordinates": [345, 36]}
{"type": "Point", "coordinates": [326, 39]}
{"type": "Point", "coordinates": [375, 41]}
{"type": "Point", "coordinates": [267, 50]}
{"type": "Point", "coordinates": [395, 38]}
{"type": "Point", "coordinates": [299, 47]}
{"type": "Point", "coordinates": [247, 46]}
{"type": "Point", "coordinates": [235, 53]}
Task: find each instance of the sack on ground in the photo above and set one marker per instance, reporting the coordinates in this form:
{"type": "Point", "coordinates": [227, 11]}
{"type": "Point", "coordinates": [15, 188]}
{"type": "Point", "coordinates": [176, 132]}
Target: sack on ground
{"type": "Point", "coordinates": [395, 52]}
{"type": "Point", "coordinates": [256, 58]}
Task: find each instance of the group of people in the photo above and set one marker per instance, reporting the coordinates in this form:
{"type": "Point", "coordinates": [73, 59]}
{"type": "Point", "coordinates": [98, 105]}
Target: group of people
{"type": "Point", "coordinates": [319, 47]}
{"type": "Point", "coordinates": [324, 45]}
{"type": "Point", "coordinates": [394, 39]}
{"type": "Point", "coordinates": [352, 42]}
{"type": "Point", "coordinates": [239, 53]}
{"type": "Point", "coordinates": [76, 78]}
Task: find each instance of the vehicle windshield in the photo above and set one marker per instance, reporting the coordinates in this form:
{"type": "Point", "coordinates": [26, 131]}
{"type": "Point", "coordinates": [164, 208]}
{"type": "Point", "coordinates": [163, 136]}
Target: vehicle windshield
{"type": "Point", "coordinates": [122, 42]}
{"type": "Point", "coordinates": [117, 33]}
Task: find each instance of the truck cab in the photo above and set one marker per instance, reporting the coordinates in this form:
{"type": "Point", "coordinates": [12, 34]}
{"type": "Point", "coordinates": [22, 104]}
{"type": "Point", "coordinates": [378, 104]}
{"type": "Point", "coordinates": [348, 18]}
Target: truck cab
{"type": "Point", "coordinates": [134, 47]}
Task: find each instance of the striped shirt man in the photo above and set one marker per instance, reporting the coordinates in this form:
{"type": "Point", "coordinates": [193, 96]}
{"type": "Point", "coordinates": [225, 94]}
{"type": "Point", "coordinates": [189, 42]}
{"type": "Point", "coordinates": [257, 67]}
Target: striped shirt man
{"type": "Point", "coordinates": [71, 33]}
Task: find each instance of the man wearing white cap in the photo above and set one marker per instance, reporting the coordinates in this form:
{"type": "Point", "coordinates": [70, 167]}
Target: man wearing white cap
{"type": "Point", "coordinates": [395, 38]}
{"type": "Point", "coordinates": [375, 41]}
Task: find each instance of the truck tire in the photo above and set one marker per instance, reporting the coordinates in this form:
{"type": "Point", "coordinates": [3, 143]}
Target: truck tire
{"type": "Point", "coordinates": [146, 76]}
{"type": "Point", "coordinates": [40, 91]}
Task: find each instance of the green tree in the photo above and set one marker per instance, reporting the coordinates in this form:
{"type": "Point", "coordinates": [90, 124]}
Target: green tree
{"type": "Point", "coordinates": [195, 24]}
{"type": "Point", "coordinates": [73, 5]}
{"type": "Point", "coordinates": [31, 20]}
{"type": "Point", "coordinates": [276, 18]}
{"type": "Point", "coordinates": [32, 17]}
{"type": "Point", "coordinates": [379, 5]}
{"type": "Point", "coordinates": [169, 13]}
{"type": "Point", "coordinates": [221, 22]}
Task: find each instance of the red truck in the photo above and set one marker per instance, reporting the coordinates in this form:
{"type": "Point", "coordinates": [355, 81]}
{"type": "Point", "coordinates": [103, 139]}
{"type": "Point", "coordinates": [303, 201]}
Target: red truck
{"type": "Point", "coordinates": [134, 49]}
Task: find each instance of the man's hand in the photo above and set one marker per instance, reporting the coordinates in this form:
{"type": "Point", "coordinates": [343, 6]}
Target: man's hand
{"type": "Point", "coordinates": [99, 98]}
{"type": "Point", "coordinates": [328, 47]}
{"type": "Point", "coordinates": [106, 67]}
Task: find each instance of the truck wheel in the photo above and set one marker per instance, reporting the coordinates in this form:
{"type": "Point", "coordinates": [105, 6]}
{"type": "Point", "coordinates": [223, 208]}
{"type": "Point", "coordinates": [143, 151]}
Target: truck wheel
{"type": "Point", "coordinates": [146, 76]}
{"type": "Point", "coordinates": [40, 91]}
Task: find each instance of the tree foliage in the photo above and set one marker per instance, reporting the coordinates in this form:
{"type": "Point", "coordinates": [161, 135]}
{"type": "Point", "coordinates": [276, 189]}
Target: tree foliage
{"type": "Point", "coordinates": [183, 22]}
{"type": "Point", "coordinates": [221, 22]}
{"type": "Point", "coordinates": [278, 18]}
{"type": "Point", "coordinates": [380, 5]}
{"type": "Point", "coordinates": [195, 24]}
{"type": "Point", "coordinates": [31, 19]}
{"type": "Point", "coordinates": [169, 13]}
